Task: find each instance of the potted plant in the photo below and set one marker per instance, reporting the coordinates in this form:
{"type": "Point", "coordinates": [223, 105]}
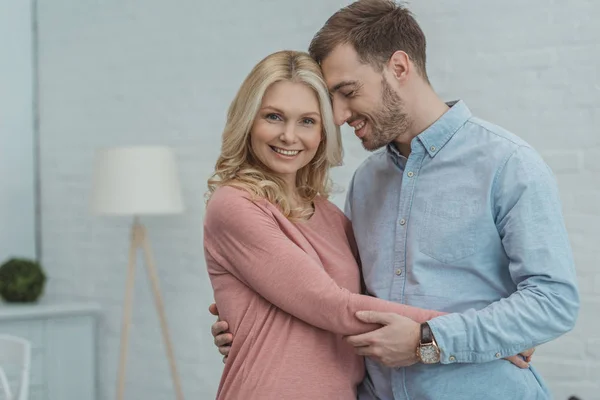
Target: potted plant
{"type": "Point", "coordinates": [21, 280]}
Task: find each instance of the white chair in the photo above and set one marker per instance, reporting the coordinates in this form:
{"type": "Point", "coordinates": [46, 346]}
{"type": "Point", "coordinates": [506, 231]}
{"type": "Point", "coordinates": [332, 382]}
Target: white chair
{"type": "Point", "coordinates": [15, 354]}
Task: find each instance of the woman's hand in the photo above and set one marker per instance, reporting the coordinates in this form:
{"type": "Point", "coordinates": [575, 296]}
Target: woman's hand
{"type": "Point", "coordinates": [522, 359]}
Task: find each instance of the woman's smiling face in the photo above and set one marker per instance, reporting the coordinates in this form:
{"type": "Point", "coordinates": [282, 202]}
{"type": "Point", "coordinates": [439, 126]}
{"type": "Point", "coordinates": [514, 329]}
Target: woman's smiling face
{"type": "Point", "coordinates": [287, 130]}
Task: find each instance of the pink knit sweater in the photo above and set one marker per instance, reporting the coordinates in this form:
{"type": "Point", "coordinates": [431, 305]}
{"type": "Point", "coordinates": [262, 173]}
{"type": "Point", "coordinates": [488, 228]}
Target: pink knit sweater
{"type": "Point", "coordinates": [289, 292]}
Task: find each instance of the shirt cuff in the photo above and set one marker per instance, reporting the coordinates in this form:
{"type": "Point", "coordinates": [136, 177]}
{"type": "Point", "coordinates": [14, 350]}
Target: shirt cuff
{"type": "Point", "coordinates": [458, 345]}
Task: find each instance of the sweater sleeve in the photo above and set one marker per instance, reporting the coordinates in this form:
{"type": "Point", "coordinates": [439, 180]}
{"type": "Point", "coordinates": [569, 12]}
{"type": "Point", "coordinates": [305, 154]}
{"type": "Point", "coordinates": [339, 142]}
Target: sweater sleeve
{"type": "Point", "coordinates": [245, 239]}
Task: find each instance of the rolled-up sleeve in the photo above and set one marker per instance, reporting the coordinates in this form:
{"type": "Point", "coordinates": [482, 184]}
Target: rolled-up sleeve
{"type": "Point", "coordinates": [528, 216]}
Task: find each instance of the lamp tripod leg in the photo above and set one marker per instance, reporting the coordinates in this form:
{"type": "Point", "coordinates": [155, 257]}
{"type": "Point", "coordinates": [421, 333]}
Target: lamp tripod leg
{"type": "Point", "coordinates": [158, 302]}
{"type": "Point", "coordinates": [127, 309]}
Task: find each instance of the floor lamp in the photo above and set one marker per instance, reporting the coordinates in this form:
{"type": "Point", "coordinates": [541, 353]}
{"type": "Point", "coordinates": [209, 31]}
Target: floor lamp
{"type": "Point", "coordinates": [136, 181]}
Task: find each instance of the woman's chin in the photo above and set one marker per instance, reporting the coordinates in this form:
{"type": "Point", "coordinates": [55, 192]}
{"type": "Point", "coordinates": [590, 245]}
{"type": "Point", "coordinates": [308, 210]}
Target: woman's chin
{"type": "Point", "coordinates": [285, 172]}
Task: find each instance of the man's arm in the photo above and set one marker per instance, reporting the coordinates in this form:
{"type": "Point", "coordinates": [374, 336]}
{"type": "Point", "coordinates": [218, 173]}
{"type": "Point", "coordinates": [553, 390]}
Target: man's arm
{"type": "Point", "coordinates": [528, 216]}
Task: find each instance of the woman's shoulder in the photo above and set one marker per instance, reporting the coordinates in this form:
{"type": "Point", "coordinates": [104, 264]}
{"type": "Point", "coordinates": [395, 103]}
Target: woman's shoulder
{"type": "Point", "coordinates": [232, 202]}
{"type": "Point", "coordinates": [228, 193]}
{"type": "Point", "coordinates": [335, 217]}
{"type": "Point", "coordinates": [331, 214]}
{"type": "Point", "coordinates": [329, 206]}
{"type": "Point", "coordinates": [232, 213]}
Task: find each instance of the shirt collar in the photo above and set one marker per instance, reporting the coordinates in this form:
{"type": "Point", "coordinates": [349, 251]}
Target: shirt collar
{"type": "Point", "coordinates": [395, 155]}
{"type": "Point", "coordinates": [441, 131]}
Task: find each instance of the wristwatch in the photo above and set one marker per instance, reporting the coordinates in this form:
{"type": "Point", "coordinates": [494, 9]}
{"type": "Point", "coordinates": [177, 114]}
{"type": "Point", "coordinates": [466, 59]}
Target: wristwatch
{"type": "Point", "coordinates": [428, 350]}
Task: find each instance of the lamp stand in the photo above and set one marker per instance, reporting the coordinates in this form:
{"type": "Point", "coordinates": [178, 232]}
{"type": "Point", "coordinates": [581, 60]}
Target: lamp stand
{"type": "Point", "coordinates": [139, 239]}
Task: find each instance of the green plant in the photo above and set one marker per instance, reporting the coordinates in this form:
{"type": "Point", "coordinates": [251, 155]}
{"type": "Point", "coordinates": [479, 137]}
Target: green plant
{"type": "Point", "coordinates": [21, 280]}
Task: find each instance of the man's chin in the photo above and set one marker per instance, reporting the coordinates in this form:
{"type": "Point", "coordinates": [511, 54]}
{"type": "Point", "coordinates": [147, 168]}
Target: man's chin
{"type": "Point", "coordinates": [370, 145]}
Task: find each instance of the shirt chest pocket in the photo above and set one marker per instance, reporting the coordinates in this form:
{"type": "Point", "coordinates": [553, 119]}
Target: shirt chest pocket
{"type": "Point", "coordinates": [449, 230]}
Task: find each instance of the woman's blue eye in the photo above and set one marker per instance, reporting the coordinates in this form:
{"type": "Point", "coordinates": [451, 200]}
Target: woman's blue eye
{"type": "Point", "coordinates": [308, 121]}
{"type": "Point", "coordinates": [273, 117]}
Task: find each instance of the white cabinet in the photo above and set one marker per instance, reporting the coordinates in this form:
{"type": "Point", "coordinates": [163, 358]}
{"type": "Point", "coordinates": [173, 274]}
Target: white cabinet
{"type": "Point", "coordinates": [63, 338]}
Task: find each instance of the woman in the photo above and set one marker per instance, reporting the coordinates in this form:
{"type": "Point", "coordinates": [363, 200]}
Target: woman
{"type": "Point", "coordinates": [281, 258]}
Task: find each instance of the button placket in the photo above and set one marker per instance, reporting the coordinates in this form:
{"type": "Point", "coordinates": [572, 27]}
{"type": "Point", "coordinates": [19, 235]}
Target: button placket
{"type": "Point", "coordinates": [399, 273]}
{"type": "Point", "coordinates": [411, 169]}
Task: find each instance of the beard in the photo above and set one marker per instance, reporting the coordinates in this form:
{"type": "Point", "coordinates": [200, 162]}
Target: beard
{"type": "Point", "coordinates": [389, 121]}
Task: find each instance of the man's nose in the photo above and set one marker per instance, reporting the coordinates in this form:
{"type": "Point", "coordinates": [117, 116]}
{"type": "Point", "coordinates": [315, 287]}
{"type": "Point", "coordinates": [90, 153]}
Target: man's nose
{"type": "Point", "coordinates": [341, 112]}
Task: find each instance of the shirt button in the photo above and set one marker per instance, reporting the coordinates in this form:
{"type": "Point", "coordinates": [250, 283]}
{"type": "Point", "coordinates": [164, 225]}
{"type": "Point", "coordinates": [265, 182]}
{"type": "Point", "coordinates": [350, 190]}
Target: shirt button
{"type": "Point", "coordinates": [410, 174]}
{"type": "Point", "coordinates": [402, 221]}
{"type": "Point", "coordinates": [452, 358]}
{"type": "Point", "coordinates": [398, 271]}
{"type": "Point", "coordinates": [498, 355]}
{"type": "Point", "coordinates": [432, 148]}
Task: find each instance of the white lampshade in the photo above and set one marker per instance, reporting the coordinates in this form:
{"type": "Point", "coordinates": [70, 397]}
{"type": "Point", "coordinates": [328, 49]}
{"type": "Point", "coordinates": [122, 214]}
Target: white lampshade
{"type": "Point", "coordinates": [136, 181]}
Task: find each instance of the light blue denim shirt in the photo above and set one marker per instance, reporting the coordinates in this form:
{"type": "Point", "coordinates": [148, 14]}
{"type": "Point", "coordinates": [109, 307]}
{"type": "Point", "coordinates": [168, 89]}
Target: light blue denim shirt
{"type": "Point", "coordinates": [471, 224]}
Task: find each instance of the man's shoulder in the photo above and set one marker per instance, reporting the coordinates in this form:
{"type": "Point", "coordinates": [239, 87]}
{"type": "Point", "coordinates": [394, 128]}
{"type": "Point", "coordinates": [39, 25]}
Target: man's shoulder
{"type": "Point", "coordinates": [502, 145]}
{"type": "Point", "coordinates": [375, 162]}
{"type": "Point", "coordinates": [496, 134]}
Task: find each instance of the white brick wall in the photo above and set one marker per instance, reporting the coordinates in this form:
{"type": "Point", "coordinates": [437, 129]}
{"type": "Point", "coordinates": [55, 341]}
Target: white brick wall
{"type": "Point", "coordinates": [162, 72]}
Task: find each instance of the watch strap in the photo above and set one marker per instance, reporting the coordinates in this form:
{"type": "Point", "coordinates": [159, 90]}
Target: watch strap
{"type": "Point", "coordinates": [426, 334]}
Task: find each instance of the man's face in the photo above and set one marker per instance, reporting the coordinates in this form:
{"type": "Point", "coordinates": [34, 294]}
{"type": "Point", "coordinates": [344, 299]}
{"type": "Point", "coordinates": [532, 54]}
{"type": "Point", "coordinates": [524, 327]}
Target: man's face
{"type": "Point", "coordinates": [364, 99]}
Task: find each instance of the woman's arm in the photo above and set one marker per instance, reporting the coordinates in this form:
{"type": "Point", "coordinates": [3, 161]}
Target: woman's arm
{"type": "Point", "coordinates": [245, 239]}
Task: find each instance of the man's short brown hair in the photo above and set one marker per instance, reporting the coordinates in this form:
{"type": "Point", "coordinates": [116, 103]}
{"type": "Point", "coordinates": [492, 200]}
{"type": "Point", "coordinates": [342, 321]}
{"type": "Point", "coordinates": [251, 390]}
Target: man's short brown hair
{"type": "Point", "coordinates": [376, 29]}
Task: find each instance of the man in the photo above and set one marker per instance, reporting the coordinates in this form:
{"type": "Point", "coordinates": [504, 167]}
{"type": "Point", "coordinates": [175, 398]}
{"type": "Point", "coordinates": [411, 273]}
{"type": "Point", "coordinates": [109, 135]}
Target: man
{"type": "Point", "coordinates": [450, 213]}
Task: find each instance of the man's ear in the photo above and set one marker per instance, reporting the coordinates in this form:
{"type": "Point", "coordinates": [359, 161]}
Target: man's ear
{"type": "Point", "coordinates": [399, 65]}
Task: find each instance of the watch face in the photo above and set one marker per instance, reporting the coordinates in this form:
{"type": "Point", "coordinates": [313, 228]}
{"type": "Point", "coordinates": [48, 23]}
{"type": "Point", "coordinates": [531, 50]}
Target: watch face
{"type": "Point", "coordinates": [429, 354]}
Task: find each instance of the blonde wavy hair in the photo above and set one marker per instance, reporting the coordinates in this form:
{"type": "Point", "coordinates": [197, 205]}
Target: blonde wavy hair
{"type": "Point", "coordinates": [237, 165]}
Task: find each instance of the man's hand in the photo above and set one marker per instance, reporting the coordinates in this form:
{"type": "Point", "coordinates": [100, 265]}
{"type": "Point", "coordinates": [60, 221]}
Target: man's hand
{"type": "Point", "coordinates": [219, 329]}
{"type": "Point", "coordinates": [394, 345]}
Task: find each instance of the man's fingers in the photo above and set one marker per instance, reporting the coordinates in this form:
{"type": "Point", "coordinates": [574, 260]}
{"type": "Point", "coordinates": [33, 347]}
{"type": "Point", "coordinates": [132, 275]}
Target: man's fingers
{"type": "Point", "coordinates": [368, 351]}
{"type": "Point", "coordinates": [362, 340]}
{"type": "Point", "coordinates": [364, 351]}
{"type": "Point", "coordinates": [223, 340]}
{"type": "Point", "coordinates": [518, 361]}
{"type": "Point", "coordinates": [213, 309]}
{"type": "Point", "coordinates": [375, 317]}
{"type": "Point", "coordinates": [224, 350]}
{"type": "Point", "coordinates": [218, 328]}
